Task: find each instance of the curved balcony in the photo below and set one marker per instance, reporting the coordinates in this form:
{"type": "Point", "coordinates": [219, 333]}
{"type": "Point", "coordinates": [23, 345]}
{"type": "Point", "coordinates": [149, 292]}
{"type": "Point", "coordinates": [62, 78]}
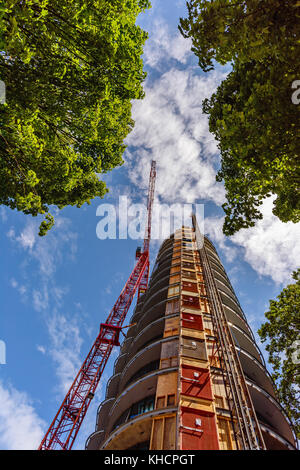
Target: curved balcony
{"type": "Point", "coordinates": [147, 334]}
{"type": "Point", "coordinates": [234, 318]}
{"type": "Point", "coordinates": [159, 284]}
{"type": "Point", "coordinates": [227, 289]}
{"type": "Point", "coordinates": [144, 356]}
{"type": "Point", "coordinates": [245, 342]}
{"type": "Point", "coordinates": [167, 244]}
{"type": "Point", "coordinates": [220, 276]}
{"type": "Point", "coordinates": [213, 253]}
{"type": "Point", "coordinates": [120, 363]}
{"type": "Point", "coordinates": [162, 256]}
{"type": "Point", "coordinates": [227, 301]}
{"type": "Point", "coordinates": [217, 268]}
{"type": "Point", "coordinates": [209, 243]}
{"type": "Point", "coordinates": [255, 371]}
{"type": "Point", "coordinates": [164, 271]}
{"type": "Point", "coordinates": [137, 310]}
{"type": "Point", "coordinates": [112, 386]}
{"type": "Point", "coordinates": [133, 432]}
{"type": "Point", "coordinates": [216, 260]}
{"type": "Point", "coordinates": [156, 297]}
{"type": "Point", "coordinates": [125, 345]}
{"type": "Point", "coordinates": [166, 253]}
{"type": "Point", "coordinates": [103, 412]}
{"type": "Point", "coordinates": [95, 440]}
{"type": "Point", "coordinates": [270, 411]}
{"type": "Point", "coordinates": [155, 312]}
{"type": "Point", "coordinates": [273, 440]}
{"type": "Point", "coordinates": [131, 332]}
{"type": "Point", "coordinates": [133, 393]}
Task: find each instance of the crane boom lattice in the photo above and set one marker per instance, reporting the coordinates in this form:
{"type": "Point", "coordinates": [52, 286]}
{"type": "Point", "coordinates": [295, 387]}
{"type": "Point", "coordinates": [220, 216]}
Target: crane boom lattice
{"type": "Point", "coordinates": [66, 424]}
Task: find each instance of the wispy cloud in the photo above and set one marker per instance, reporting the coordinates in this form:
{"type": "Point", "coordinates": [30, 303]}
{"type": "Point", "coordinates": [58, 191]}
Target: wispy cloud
{"type": "Point", "coordinates": [165, 46]}
{"type": "Point", "coordinates": [171, 129]}
{"type": "Point", "coordinates": [47, 254]}
{"type": "Point", "coordinates": [170, 126]}
{"type": "Point", "coordinates": [21, 288]}
{"type": "Point", "coordinates": [40, 298]}
{"type": "Point", "coordinates": [20, 426]}
{"type": "Point", "coordinates": [41, 349]}
{"type": "Point", "coordinates": [213, 227]}
{"type": "Point", "coordinates": [3, 214]}
{"type": "Point", "coordinates": [47, 251]}
{"type": "Point", "coordinates": [66, 342]}
{"type": "Point", "coordinates": [271, 247]}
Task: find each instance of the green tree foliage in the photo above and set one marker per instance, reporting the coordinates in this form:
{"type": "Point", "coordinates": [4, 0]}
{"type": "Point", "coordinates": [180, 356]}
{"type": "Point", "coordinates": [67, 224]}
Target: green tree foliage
{"type": "Point", "coordinates": [252, 114]}
{"type": "Point", "coordinates": [282, 332]}
{"type": "Point", "coordinates": [71, 69]}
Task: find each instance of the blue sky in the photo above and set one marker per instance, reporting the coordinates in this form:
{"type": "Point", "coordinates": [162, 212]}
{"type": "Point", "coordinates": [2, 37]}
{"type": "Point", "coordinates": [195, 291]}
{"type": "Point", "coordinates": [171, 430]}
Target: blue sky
{"type": "Point", "coordinates": [56, 290]}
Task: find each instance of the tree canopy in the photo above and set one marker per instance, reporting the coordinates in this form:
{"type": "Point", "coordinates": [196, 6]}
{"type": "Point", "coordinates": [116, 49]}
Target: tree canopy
{"type": "Point", "coordinates": [71, 69]}
{"type": "Point", "coordinates": [282, 332]}
{"type": "Point", "coordinates": [252, 114]}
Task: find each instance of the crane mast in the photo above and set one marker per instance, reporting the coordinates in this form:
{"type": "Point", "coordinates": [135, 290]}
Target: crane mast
{"type": "Point", "coordinates": [67, 421]}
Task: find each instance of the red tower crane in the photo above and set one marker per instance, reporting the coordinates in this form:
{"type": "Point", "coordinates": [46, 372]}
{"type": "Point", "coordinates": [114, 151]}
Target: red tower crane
{"type": "Point", "coordinates": [66, 424]}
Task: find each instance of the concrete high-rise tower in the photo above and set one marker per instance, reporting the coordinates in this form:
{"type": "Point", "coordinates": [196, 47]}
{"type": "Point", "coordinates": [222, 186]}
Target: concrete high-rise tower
{"type": "Point", "coordinates": [189, 375]}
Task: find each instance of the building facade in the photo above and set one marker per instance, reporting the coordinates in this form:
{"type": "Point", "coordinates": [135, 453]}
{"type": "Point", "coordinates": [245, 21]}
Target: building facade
{"type": "Point", "coordinates": [190, 375]}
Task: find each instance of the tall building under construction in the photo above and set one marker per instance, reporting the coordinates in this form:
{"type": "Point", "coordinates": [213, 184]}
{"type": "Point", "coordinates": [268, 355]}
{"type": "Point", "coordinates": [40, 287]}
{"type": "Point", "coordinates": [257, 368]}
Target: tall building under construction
{"type": "Point", "coordinates": [189, 375]}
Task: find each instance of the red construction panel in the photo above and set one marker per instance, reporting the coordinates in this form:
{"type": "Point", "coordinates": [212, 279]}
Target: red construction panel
{"type": "Point", "coordinates": [190, 301]}
{"type": "Point", "coordinates": [192, 321]}
{"type": "Point", "coordinates": [195, 382]}
{"type": "Point", "coordinates": [198, 430]}
{"type": "Point", "coordinates": [189, 286]}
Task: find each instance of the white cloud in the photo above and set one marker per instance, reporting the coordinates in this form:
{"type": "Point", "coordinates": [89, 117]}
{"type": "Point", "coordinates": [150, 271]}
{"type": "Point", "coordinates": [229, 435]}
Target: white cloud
{"type": "Point", "coordinates": [65, 348]}
{"type": "Point", "coordinates": [171, 129]}
{"type": "Point", "coordinates": [20, 426]}
{"type": "Point", "coordinates": [162, 46]}
{"type": "Point", "coordinates": [27, 237]}
{"type": "Point", "coordinates": [11, 233]}
{"type": "Point", "coordinates": [13, 283]}
{"type": "Point", "coordinates": [3, 214]}
{"type": "Point", "coordinates": [271, 247]}
{"type": "Point", "coordinates": [47, 251]}
{"type": "Point", "coordinates": [41, 349]}
{"type": "Point", "coordinates": [40, 299]}
{"type": "Point", "coordinates": [213, 228]}
{"type": "Point", "coordinates": [20, 287]}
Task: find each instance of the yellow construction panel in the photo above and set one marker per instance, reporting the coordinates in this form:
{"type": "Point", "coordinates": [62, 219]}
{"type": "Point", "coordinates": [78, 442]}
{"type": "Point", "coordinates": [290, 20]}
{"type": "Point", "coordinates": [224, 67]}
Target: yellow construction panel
{"type": "Point", "coordinates": [157, 434]}
{"type": "Point", "coordinates": [173, 291]}
{"type": "Point", "coordinates": [166, 384]}
{"type": "Point", "coordinates": [196, 403]}
{"type": "Point", "coordinates": [171, 326]}
{"type": "Point", "coordinates": [226, 435]}
{"type": "Point", "coordinates": [193, 312]}
{"type": "Point", "coordinates": [174, 279]}
{"type": "Point", "coordinates": [192, 333]}
{"type": "Point", "coordinates": [189, 293]}
{"type": "Point", "coordinates": [163, 434]}
{"type": "Point", "coordinates": [175, 269]}
{"type": "Point", "coordinates": [194, 362]}
{"type": "Point", "coordinates": [171, 323]}
{"type": "Point", "coordinates": [219, 390]}
{"type": "Point", "coordinates": [176, 261]}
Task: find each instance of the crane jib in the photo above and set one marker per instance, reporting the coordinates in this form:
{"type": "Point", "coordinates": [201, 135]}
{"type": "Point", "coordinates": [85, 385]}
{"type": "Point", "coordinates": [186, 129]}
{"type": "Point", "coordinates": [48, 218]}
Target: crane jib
{"type": "Point", "coordinates": [66, 424]}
